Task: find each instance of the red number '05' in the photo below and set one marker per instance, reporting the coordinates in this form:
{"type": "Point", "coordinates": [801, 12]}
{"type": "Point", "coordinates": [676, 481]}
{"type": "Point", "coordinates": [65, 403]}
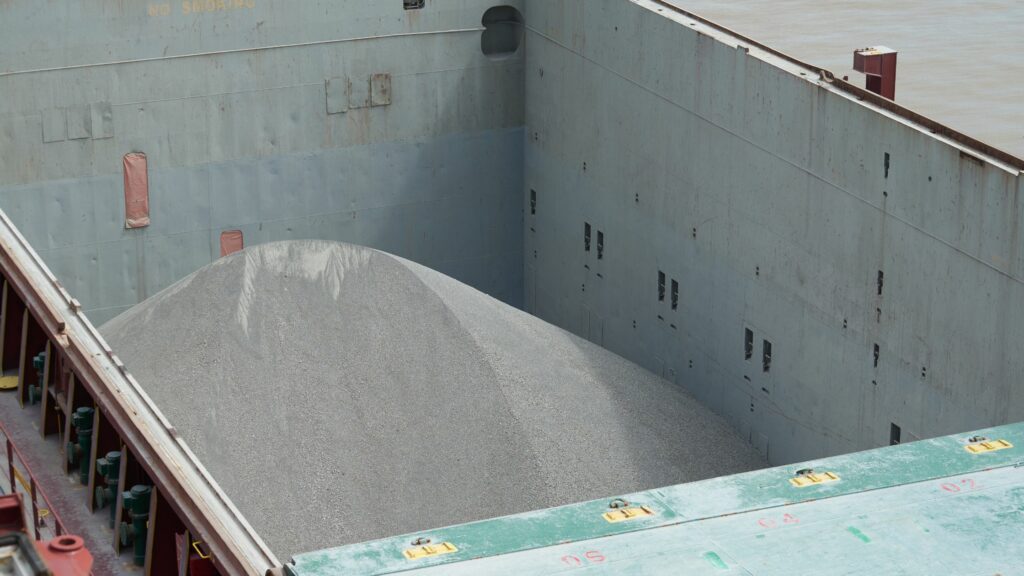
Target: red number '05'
{"type": "Point", "coordinates": [594, 556]}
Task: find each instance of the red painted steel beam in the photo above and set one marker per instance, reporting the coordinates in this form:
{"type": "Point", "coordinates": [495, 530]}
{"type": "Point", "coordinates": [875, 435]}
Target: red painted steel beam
{"type": "Point", "coordinates": [879, 65]}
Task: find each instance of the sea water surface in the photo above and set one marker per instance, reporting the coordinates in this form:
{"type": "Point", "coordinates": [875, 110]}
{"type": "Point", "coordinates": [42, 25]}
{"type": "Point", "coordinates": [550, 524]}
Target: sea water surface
{"type": "Point", "coordinates": [960, 62]}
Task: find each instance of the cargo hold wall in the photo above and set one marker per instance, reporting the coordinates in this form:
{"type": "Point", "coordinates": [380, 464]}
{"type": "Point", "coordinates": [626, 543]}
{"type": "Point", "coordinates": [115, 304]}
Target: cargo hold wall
{"type": "Point", "coordinates": [344, 120]}
{"type": "Point", "coordinates": [828, 275]}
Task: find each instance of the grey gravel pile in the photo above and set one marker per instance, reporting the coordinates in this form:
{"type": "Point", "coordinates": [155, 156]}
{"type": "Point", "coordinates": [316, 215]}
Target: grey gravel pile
{"type": "Point", "coordinates": [340, 394]}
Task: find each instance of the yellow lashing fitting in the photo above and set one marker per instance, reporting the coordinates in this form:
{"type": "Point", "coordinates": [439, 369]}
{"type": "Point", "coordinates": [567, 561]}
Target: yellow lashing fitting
{"type": "Point", "coordinates": [622, 511]}
{"type": "Point", "coordinates": [623, 514]}
{"type": "Point", "coordinates": [985, 445]}
{"type": "Point", "coordinates": [429, 550]}
{"type": "Point", "coordinates": [202, 554]}
{"type": "Point", "coordinates": [810, 478]}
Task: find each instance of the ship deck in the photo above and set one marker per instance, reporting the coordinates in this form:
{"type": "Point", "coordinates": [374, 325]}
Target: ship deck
{"type": "Point", "coordinates": [948, 505]}
{"type": "Point", "coordinates": [65, 493]}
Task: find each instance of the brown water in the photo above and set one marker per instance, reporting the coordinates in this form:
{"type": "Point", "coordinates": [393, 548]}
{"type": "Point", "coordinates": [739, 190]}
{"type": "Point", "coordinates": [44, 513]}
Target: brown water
{"type": "Point", "coordinates": [960, 63]}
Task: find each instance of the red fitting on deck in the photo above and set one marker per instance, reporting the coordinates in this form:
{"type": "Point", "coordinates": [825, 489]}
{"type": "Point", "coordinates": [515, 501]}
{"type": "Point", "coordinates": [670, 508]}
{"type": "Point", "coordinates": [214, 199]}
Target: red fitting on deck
{"type": "Point", "coordinates": [879, 65]}
{"type": "Point", "coordinates": [66, 556]}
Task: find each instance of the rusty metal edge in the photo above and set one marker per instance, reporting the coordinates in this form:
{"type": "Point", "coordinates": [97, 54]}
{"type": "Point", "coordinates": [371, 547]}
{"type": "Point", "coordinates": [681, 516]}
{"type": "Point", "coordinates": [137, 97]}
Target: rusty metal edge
{"type": "Point", "coordinates": [168, 461]}
{"type": "Point", "coordinates": [890, 106]}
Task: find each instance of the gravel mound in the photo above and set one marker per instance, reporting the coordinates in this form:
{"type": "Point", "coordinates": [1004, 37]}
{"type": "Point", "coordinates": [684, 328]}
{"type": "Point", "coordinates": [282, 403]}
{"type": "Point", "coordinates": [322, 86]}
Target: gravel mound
{"type": "Point", "coordinates": [340, 394]}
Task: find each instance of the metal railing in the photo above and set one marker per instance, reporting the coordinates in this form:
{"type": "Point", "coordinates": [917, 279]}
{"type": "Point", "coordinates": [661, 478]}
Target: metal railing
{"type": "Point", "coordinates": [44, 519]}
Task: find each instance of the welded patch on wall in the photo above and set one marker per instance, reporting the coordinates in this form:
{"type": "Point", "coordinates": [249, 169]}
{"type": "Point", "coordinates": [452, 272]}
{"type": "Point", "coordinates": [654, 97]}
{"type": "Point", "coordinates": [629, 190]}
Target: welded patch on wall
{"type": "Point", "coordinates": [359, 95]}
{"type": "Point", "coordinates": [136, 191]}
{"type": "Point", "coordinates": [79, 120]}
{"type": "Point", "coordinates": [337, 95]}
{"type": "Point", "coordinates": [231, 241]}
{"type": "Point", "coordinates": [102, 120]}
{"type": "Point", "coordinates": [55, 125]}
{"type": "Point", "coordinates": [380, 90]}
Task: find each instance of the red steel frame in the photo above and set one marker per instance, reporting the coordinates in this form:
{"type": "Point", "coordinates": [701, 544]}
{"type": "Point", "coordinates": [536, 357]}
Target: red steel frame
{"type": "Point", "coordinates": [879, 65]}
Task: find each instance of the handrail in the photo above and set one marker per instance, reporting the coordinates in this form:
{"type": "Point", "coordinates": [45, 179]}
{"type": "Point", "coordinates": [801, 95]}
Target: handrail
{"type": "Point", "coordinates": [33, 488]}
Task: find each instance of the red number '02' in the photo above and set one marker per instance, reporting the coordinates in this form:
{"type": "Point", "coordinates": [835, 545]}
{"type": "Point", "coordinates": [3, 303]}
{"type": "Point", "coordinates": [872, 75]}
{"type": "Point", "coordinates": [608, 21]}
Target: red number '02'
{"type": "Point", "coordinates": [770, 523]}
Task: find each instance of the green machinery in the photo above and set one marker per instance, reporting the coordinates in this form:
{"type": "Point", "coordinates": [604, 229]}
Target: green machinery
{"type": "Point", "coordinates": [79, 452]}
{"type": "Point", "coordinates": [136, 503]}
{"type": "Point", "coordinates": [110, 467]}
{"type": "Point", "coordinates": [35, 391]}
{"type": "Point", "coordinates": [949, 505]}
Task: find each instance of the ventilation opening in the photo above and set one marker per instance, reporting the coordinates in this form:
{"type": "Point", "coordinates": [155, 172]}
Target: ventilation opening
{"type": "Point", "coordinates": [413, 4]}
{"type": "Point", "coordinates": [894, 434]}
{"type": "Point", "coordinates": [600, 245]}
{"type": "Point", "coordinates": [586, 236]}
{"type": "Point", "coordinates": [533, 202]}
{"type": "Point", "coordinates": [886, 164]}
{"type": "Point", "coordinates": [661, 286]}
{"type": "Point", "coordinates": [766, 356]}
{"type": "Point", "coordinates": [880, 282]}
{"type": "Point", "coordinates": [675, 294]}
{"type": "Point", "coordinates": [748, 343]}
{"type": "Point", "coordinates": [877, 352]}
{"type": "Point", "coordinates": [503, 31]}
